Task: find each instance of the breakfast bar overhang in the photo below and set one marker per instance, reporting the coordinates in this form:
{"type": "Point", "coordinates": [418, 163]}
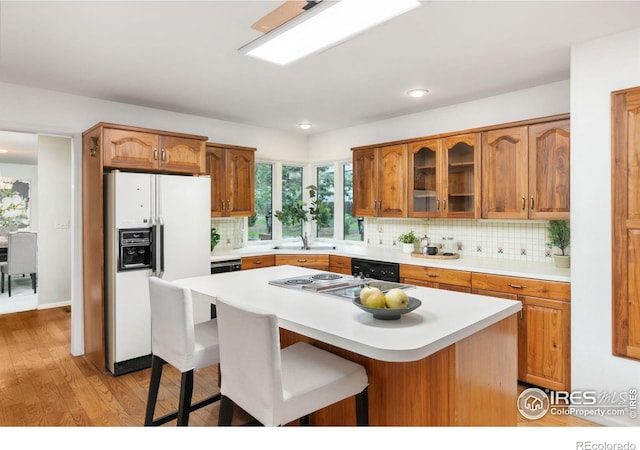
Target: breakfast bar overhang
{"type": "Point", "coordinates": [451, 362]}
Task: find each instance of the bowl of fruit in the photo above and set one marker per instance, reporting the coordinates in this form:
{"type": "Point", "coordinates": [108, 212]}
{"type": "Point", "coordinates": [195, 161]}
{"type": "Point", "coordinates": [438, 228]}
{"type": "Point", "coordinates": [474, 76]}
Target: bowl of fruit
{"type": "Point", "coordinates": [385, 306]}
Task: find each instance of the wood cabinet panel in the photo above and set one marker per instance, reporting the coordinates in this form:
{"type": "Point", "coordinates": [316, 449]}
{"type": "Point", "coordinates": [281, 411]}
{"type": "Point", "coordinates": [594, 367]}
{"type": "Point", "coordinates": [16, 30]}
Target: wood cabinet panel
{"type": "Point", "coordinates": [126, 149]}
{"type": "Point", "coordinates": [231, 169]}
{"type": "Point", "coordinates": [625, 166]}
{"type": "Point", "coordinates": [544, 326]}
{"type": "Point", "coordinates": [181, 155]}
{"type": "Point", "coordinates": [436, 285]}
{"type": "Point", "coordinates": [365, 183]}
{"type": "Point", "coordinates": [544, 341]}
{"type": "Point", "coordinates": [436, 275]}
{"type": "Point", "coordinates": [522, 286]}
{"type": "Point", "coordinates": [504, 173]}
{"type": "Point", "coordinates": [340, 264]}
{"type": "Point", "coordinates": [320, 262]}
{"type": "Point", "coordinates": [549, 170]}
{"type": "Point", "coordinates": [379, 186]}
{"type": "Point", "coordinates": [255, 262]}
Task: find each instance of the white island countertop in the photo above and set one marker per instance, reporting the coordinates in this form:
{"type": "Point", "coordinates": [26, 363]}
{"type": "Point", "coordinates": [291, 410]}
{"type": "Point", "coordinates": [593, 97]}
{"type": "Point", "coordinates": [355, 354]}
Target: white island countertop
{"type": "Point", "coordinates": [443, 319]}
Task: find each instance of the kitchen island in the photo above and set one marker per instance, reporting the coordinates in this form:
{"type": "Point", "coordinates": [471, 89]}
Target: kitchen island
{"type": "Point", "coordinates": [452, 361]}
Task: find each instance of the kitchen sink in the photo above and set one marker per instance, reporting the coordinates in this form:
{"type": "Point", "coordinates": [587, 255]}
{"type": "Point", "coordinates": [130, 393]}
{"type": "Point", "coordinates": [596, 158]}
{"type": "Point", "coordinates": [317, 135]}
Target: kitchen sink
{"type": "Point", "coordinates": [299, 247]}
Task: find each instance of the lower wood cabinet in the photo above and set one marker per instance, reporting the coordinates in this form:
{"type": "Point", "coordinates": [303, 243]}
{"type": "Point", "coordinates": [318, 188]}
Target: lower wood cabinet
{"type": "Point", "coordinates": [255, 262]}
{"type": "Point", "coordinates": [340, 264]}
{"type": "Point", "coordinates": [319, 262]}
{"type": "Point", "coordinates": [544, 327]}
{"type": "Point", "coordinates": [451, 280]}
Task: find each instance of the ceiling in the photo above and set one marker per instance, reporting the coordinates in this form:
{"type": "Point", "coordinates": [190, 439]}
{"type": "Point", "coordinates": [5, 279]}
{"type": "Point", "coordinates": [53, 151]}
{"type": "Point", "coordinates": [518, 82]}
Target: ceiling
{"type": "Point", "coordinates": [183, 56]}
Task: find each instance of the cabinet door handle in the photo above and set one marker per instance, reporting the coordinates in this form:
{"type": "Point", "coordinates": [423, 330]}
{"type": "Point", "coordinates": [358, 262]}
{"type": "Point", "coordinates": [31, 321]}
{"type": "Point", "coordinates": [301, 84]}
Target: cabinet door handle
{"type": "Point", "coordinates": [438, 205]}
{"type": "Point", "coordinates": [229, 205]}
{"type": "Point", "coordinates": [302, 260]}
{"type": "Point", "coordinates": [522, 203]}
{"type": "Point", "coordinates": [444, 204]}
{"type": "Point", "coordinates": [433, 275]}
{"type": "Point", "coordinates": [164, 154]}
{"type": "Point", "coordinates": [517, 286]}
{"type": "Point", "coordinates": [221, 205]}
{"type": "Point", "coordinates": [155, 154]}
{"type": "Point", "coordinates": [531, 203]}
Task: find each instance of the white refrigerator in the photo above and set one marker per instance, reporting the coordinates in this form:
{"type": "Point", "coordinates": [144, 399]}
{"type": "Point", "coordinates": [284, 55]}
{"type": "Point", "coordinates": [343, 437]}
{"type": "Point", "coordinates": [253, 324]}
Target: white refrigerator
{"type": "Point", "coordinates": [155, 225]}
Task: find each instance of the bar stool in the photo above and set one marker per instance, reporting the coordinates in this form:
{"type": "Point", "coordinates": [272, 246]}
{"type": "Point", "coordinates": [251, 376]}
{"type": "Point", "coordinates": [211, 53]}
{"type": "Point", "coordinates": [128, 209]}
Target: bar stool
{"type": "Point", "coordinates": [177, 341]}
{"type": "Point", "coordinates": [278, 386]}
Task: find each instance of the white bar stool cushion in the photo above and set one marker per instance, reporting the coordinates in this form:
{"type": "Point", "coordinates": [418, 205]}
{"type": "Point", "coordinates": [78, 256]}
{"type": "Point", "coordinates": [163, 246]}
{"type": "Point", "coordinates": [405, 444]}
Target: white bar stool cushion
{"type": "Point", "coordinates": [278, 386]}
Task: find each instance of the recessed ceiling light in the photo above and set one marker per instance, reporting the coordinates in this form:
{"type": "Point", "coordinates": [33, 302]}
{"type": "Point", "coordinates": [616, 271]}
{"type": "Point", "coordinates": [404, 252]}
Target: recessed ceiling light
{"type": "Point", "coordinates": [4, 150]}
{"type": "Point", "coordinates": [417, 93]}
{"type": "Point", "coordinates": [305, 125]}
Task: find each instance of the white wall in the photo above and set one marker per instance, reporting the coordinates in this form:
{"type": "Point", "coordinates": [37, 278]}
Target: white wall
{"type": "Point", "coordinates": [597, 68]}
{"type": "Point", "coordinates": [54, 234]}
{"type": "Point", "coordinates": [546, 100]}
{"type": "Point", "coordinates": [25, 172]}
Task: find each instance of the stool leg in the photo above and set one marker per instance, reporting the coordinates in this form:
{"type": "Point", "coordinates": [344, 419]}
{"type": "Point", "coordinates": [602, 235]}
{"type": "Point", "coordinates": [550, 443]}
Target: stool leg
{"type": "Point", "coordinates": [2, 285]}
{"type": "Point", "coordinates": [33, 282]}
{"type": "Point", "coordinates": [225, 415]}
{"type": "Point", "coordinates": [9, 286]}
{"type": "Point", "coordinates": [186, 391]}
{"type": "Point", "coordinates": [362, 408]}
{"type": "Point", "coordinates": [154, 385]}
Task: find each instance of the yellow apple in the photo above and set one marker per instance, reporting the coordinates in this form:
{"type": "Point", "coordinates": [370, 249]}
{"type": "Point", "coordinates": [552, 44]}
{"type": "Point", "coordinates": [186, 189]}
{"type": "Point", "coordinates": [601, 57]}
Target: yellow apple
{"type": "Point", "coordinates": [375, 299]}
{"type": "Point", "coordinates": [396, 299]}
{"type": "Point", "coordinates": [365, 292]}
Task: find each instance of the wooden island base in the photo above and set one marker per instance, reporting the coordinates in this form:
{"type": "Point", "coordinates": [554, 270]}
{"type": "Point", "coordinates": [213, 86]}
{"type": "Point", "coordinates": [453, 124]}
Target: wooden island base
{"type": "Point", "coordinates": [470, 383]}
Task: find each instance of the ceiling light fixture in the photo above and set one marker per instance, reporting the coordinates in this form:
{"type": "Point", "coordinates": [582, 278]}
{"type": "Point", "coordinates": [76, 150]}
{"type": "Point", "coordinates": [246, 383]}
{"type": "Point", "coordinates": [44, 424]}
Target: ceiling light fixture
{"type": "Point", "coordinates": [4, 150]}
{"type": "Point", "coordinates": [324, 24]}
{"type": "Point", "coordinates": [417, 93]}
{"type": "Point", "coordinates": [305, 125]}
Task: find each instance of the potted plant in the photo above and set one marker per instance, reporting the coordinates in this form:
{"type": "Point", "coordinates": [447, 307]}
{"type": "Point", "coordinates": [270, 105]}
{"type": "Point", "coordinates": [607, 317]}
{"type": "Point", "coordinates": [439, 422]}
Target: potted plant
{"type": "Point", "coordinates": [560, 237]}
{"type": "Point", "coordinates": [294, 213]}
{"type": "Point", "coordinates": [408, 241]}
{"type": "Point", "coordinates": [215, 238]}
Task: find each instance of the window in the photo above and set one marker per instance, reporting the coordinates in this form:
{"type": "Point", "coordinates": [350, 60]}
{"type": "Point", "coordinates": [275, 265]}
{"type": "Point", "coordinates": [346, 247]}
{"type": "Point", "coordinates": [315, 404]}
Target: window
{"type": "Point", "coordinates": [260, 224]}
{"type": "Point", "coordinates": [353, 227]}
{"type": "Point", "coordinates": [325, 176]}
{"type": "Point", "coordinates": [291, 194]}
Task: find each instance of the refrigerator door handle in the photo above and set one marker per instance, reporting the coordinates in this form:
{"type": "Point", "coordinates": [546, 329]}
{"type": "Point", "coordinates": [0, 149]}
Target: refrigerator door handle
{"type": "Point", "coordinates": [161, 272]}
{"type": "Point", "coordinates": [154, 262]}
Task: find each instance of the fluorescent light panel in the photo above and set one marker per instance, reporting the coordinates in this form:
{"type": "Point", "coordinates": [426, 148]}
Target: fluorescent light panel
{"type": "Point", "coordinates": [324, 25]}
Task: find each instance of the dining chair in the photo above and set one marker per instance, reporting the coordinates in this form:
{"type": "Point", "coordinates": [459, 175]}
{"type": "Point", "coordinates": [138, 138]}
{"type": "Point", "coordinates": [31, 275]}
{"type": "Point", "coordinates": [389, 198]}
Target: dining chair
{"type": "Point", "coordinates": [22, 258]}
{"type": "Point", "coordinates": [175, 340]}
{"type": "Point", "coordinates": [277, 386]}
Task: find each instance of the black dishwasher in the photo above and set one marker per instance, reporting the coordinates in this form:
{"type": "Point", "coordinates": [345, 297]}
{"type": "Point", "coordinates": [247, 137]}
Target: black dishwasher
{"type": "Point", "coordinates": [379, 270]}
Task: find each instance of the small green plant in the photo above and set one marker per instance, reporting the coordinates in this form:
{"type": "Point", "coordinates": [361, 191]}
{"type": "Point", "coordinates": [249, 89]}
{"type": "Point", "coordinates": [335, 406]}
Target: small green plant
{"type": "Point", "coordinates": [559, 234]}
{"type": "Point", "coordinates": [295, 213]}
{"type": "Point", "coordinates": [408, 238]}
{"type": "Point", "coordinates": [215, 238]}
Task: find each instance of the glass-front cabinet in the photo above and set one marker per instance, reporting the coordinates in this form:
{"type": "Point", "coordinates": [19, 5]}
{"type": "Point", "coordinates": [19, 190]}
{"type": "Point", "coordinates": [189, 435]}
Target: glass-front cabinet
{"type": "Point", "coordinates": [444, 177]}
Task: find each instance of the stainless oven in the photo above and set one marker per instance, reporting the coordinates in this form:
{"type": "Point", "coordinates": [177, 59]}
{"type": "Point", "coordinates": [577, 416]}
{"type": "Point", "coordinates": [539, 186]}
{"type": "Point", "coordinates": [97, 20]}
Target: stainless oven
{"type": "Point", "coordinates": [135, 247]}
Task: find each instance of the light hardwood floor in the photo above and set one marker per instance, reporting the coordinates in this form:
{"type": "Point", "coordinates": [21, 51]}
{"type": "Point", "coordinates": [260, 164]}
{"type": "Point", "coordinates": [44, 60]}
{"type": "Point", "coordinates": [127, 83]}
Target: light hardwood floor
{"type": "Point", "coordinates": [41, 384]}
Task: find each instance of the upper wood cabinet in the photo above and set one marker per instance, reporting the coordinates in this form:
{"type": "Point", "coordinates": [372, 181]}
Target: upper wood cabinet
{"type": "Point", "coordinates": [525, 172]}
{"type": "Point", "coordinates": [444, 177]}
{"type": "Point", "coordinates": [232, 179]}
{"type": "Point", "coordinates": [379, 187]}
{"type": "Point", "coordinates": [132, 148]}
{"type": "Point", "coordinates": [625, 165]}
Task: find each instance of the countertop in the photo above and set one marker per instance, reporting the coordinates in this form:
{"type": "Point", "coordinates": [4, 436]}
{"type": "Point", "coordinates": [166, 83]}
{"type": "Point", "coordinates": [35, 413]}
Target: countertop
{"type": "Point", "coordinates": [495, 266]}
{"type": "Point", "coordinates": [443, 319]}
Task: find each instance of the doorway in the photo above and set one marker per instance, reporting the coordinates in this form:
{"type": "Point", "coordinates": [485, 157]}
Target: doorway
{"type": "Point", "coordinates": [44, 161]}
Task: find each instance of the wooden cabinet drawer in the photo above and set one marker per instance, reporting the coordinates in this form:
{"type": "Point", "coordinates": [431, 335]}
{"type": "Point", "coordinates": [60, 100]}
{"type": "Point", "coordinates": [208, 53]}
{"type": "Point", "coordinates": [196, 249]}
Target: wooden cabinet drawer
{"type": "Point", "coordinates": [254, 262]}
{"type": "Point", "coordinates": [340, 262]}
{"type": "Point", "coordinates": [522, 286]}
{"type": "Point", "coordinates": [436, 275]}
{"type": "Point", "coordinates": [312, 261]}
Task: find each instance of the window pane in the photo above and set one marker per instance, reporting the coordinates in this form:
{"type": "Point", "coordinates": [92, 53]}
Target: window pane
{"type": "Point", "coordinates": [291, 195]}
{"type": "Point", "coordinates": [353, 227]}
{"type": "Point", "coordinates": [260, 224]}
{"type": "Point", "coordinates": [325, 178]}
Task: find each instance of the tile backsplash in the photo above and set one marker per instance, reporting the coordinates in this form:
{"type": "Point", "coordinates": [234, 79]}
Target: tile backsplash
{"type": "Point", "coordinates": [231, 231]}
{"type": "Point", "coordinates": [521, 240]}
